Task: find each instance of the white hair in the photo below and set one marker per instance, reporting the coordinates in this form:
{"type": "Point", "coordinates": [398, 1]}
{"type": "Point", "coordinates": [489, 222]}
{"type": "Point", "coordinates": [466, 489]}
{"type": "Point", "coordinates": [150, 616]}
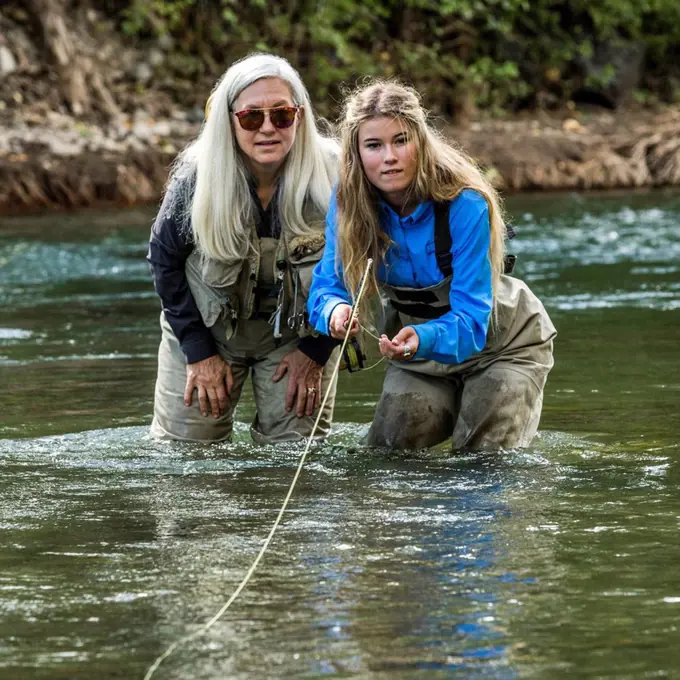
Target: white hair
{"type": "Point", "coordinates": [221, 207]}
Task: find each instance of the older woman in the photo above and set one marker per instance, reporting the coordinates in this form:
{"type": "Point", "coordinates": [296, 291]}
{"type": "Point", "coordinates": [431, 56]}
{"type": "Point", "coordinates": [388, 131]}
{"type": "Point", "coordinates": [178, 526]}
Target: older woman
{"type": "Point", "coordinates": [469, 346]}
{"type": "Point", "coordinates": [232, 251]}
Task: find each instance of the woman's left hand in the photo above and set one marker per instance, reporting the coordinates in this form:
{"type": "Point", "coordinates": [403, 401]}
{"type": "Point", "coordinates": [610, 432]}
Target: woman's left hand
{"type": "Point", "coordinates": [402, 346]}
{"type": "Point", "coordinates": [304, 382]}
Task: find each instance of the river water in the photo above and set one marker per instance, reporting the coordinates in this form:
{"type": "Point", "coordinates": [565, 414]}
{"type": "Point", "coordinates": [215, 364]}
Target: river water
{"type": "Point", "coordinates": [559, 561]}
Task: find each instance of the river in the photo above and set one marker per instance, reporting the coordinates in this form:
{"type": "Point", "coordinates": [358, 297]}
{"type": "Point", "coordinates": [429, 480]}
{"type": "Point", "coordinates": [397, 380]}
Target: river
{"type": "Point", "coordinates": [559, 561]}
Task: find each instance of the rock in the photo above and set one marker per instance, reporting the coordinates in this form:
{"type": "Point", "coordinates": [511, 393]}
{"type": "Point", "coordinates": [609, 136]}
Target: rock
{"type": "Point", "coordinates": [166, 42]}
{"type": "Point", "coordinates": [195, 114]}
{"type": "Point", "coordinates": [140, 116]}
{"type": "Point", "coordinates": [572, 125]}
{"type": "Point", "coordinates": [162, 129]}
{"type": "Point", "coordinates": [60, 147]}
{"type": "Point", "coordinates": [118, 131]}
{"type": "Point", "coordinates": [8, 63]}
{"type": "Point", "coordinates": [60, 121]}
{"type": "Point", "coordinates": [143, 72]}
{"type": "Point", "coordinates": [127, 60]}
{"type": "Point", "coordinates": [156, 57]}
{"type": "Point", "coordinates": [108, 144]}
{"type": "Point", "coordinates": [142, 130]}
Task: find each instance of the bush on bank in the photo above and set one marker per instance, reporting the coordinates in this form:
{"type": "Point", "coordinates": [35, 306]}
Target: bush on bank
{"type": "Point", "coordinates": [463, 55]}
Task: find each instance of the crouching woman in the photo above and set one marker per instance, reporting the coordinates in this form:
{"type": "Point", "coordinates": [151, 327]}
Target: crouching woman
{"type": "Point", "coordinates": [469, 346]}
{"type": "Point", "coordinates": [232, 252]}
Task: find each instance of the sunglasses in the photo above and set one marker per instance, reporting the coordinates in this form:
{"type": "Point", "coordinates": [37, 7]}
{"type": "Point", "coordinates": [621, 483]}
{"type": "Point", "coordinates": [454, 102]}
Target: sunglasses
{"type": "Point", "coordinates": [282, 117]}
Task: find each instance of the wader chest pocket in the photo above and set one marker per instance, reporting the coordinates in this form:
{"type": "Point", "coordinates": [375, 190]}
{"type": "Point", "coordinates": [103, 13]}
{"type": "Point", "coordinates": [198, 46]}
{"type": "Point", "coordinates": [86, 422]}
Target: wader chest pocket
{"type": "Point", "coordinates": [304, 255]}
{"type": "Point", "coordinates": [220, 274]}
{"type": "Point", "coordinates": [212, 302]}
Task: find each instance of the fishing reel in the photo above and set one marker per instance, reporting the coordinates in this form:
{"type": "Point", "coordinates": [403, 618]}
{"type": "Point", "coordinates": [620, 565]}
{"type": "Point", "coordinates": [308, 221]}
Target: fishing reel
{"type": "Point", "coordinates": [353, 357]}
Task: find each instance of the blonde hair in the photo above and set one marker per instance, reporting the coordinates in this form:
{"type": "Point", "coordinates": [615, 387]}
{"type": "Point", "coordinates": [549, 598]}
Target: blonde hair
{"type": "Point", "coordinates": [219, 200]}
{"type": "Point", "coordinates": [442, 172]}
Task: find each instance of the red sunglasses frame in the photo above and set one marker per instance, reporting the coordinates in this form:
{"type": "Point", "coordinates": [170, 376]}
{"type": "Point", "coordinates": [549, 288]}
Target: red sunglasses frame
{"type": "Point", "coordinates": [240, 115]}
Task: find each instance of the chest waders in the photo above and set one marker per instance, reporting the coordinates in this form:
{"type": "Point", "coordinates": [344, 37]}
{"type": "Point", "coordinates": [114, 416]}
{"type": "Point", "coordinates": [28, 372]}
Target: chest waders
{"type": "Point", "coordinates": [492, 399]}
{"type": "Point", "coordinates": [246, 304]}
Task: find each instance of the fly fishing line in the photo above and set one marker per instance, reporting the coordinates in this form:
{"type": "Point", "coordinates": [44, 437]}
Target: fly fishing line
{"type": "Point", "coordinates": [265, 545]}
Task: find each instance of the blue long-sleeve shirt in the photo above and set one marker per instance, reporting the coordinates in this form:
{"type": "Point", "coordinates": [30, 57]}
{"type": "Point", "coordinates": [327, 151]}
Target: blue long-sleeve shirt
{"type": "Point", "coordinates": [411, 261]}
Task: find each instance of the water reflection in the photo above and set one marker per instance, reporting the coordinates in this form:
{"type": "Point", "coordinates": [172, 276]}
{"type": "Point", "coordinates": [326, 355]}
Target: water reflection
{"type": "Point", "coordinates": [385, 566]}
{"type": "Point", "coordinates": [389, 565]}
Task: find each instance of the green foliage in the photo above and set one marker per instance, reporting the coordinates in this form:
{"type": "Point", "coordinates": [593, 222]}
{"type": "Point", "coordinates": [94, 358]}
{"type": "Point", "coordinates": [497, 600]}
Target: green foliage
{"type": "Point", "coordinates": [161, 16]}
{"type": "Point", "coordinates": [461, 54]}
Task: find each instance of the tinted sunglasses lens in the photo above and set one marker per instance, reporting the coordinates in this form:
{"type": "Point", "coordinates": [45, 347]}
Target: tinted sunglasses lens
{"type": "Point", "coordinates": [282, 118]}
{"type": "Point", "coordinates": [250, 120]}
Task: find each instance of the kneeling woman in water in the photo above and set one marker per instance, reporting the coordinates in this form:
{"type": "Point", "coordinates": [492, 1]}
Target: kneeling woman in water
{"type": "Point", "coordinates": [469, 346]}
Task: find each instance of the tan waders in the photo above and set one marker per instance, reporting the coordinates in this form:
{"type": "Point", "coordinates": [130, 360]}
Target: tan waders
{"type": "Point", "coordinates": [248, 345]}
{"type": "Point", "coordinates": [492, 400]}
{"type": "Point", "coordinates": [251, 350]}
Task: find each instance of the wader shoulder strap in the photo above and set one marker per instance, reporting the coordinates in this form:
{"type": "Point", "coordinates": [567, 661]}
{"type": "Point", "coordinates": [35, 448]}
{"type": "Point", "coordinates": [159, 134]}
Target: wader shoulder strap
{"type": "Point", "coordinates": [442, 238]}
{"type": "Point", "coordinates": [443, 241]}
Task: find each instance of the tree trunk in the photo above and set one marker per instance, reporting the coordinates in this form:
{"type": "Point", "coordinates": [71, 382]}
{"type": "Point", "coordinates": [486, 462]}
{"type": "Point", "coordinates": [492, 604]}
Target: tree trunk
{"type": "Point", "coordinates": [83, 85]}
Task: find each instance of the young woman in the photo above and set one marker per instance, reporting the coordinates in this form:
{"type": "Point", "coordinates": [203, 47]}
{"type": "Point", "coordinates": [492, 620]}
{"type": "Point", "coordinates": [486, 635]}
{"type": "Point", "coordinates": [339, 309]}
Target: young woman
{"type": "Point", "coordinates": [469, 346]}
{"type": "Point", "coordinates": [232, 252]}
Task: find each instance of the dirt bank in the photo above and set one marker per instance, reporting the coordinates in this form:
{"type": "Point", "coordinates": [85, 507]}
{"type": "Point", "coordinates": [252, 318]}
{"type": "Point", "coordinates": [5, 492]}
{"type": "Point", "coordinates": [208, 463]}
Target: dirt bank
{"type": "Point", "coordinates": [586, 150]}
{"type": "Point", "coordinates": [90, 118]}
{"type": "Point", "coordinates": [59, 162]}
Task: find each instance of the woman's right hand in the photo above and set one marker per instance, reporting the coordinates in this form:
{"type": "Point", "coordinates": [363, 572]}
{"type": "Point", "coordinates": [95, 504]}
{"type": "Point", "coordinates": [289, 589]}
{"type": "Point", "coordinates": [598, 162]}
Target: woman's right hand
{"type": "Point", "coordinates": [213, 380]}
{"type": "Point", "coordinates": [337, 326]}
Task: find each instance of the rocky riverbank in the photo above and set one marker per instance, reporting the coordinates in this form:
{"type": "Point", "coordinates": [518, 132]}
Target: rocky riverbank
{"type": "Point", "coordinates": [58, 162]}
{"type": "Point", "coordinates": [583, 151]}
{"type": "Point", "coordinates": [89, 118]}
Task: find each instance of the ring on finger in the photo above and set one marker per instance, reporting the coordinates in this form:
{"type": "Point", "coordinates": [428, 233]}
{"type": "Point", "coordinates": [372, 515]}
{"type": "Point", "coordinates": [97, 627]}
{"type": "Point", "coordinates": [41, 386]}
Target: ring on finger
{"type": "Point", "coordinates": [407, 351]}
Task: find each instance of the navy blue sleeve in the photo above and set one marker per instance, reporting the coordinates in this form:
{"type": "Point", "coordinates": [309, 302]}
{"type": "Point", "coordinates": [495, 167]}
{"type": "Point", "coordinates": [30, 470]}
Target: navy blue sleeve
{"type": "Point", "coordinates": [169, 247]}
{"type": "Point", "coordinates": [318, 348]}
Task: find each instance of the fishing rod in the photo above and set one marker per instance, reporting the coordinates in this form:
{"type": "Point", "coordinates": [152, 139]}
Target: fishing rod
{"type": "Point", "coordinates": [265, 545]}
